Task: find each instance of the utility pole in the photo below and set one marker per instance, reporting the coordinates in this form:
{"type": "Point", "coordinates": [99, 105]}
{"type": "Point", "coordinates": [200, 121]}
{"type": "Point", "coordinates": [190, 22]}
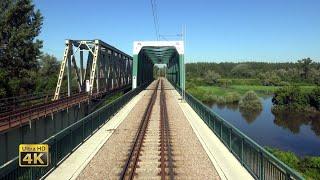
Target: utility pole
{"type": "Point", "coordinates": [184, 64]}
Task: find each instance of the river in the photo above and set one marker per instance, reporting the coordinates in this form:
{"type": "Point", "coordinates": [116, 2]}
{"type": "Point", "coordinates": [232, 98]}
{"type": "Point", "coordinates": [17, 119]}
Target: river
{"type": "Point", "coordinates": [297, 133]}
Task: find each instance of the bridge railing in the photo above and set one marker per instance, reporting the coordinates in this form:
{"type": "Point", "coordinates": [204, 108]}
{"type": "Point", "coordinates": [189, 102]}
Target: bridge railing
{"type": "Point", "coordinates": [18, 118]}
{"type": "Point", "coordinates": [68, 140]}
{"type": "Point", "coordinates": [260, 163]}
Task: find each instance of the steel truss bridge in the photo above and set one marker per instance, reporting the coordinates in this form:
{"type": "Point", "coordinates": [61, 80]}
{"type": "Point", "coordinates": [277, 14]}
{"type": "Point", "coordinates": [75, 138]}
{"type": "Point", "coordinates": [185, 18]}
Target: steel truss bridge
{"type": "Point", "coordinates": [94, 71]}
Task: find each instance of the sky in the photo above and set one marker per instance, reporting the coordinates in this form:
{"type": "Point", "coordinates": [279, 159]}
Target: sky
{"type": "Point", "coordinates": [216, 30]}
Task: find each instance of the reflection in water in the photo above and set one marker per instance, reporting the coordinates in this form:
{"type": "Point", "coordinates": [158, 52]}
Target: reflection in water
{"type": "Point", "coordinates": [250, 116]}
{"type": "Point", "coordinates": [283, 130]}
{"type": "Point", "coordinates": [293, 121]}
{"type": "Point", "coordinates": [232, 106]}
{"type": "Point", "coordinates": [315, 125]}
{"type": "Point", "coordinates": [290, 121]}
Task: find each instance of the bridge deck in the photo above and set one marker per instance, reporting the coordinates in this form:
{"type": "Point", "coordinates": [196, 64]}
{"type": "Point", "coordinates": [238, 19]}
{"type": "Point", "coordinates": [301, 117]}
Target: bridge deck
{"type": "Point", "coordinates": [197, 152]}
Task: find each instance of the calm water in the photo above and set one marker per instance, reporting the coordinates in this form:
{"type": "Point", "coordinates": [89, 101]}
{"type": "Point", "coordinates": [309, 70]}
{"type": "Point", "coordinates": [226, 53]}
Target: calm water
{"type": "Point", "coordinates": [297, 133]}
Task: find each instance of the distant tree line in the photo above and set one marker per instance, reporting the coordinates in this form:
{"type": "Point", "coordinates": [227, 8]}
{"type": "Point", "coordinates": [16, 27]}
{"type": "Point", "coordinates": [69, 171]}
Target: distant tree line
{"type": "Point", "coordinates": [302, 71]}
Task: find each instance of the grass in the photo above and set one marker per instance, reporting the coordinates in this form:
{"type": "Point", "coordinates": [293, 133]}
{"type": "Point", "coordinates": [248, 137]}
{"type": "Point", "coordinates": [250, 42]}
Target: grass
{"type": "Point", "coordinates": [308, 167]}
{"type": "Point", "coordinates": [242, 89]}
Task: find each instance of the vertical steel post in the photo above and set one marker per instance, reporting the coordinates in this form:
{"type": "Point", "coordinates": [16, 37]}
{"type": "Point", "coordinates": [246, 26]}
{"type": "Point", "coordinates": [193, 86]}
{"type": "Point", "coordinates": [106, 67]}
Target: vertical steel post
{"type": "Point", "coordinates": [69, 75]}
{"type": "Point", "coordinates": [135, 71]}
{"type": "Point", "coordinates": [81, 68]}
{"type": "Point", "coordinates": [62, 68]}
{"type": "Point", "coordinates": [98, 73]}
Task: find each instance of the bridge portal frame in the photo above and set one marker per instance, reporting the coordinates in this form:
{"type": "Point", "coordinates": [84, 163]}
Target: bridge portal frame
{"type": "Point", "coordinates": [175, 65]}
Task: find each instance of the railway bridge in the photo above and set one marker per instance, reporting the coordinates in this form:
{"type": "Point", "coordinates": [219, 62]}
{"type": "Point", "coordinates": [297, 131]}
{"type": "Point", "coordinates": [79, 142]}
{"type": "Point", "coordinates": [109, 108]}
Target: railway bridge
{"type": "Point", "coordinates": [153, 129]}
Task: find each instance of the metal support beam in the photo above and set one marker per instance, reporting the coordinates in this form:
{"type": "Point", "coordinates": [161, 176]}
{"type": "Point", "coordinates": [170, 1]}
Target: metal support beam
{"type": "Point", "coordinates": [106, 66]}
{"type": "Point", "coordinates": [62, 68]}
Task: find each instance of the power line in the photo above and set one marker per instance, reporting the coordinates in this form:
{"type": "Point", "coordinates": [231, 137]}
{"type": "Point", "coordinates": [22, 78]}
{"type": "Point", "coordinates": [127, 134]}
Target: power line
{"type": "Point", "coordinates": [155, 17]}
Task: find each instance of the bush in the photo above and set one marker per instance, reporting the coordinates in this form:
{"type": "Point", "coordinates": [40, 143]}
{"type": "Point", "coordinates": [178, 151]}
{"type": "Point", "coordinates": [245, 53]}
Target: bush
{"type": "Point", "coordinates": [309, 167]}
{"type": "Point", "coordinates": [211, 77]}
{"type": "Point", "coordinates": [287, 157]}
{"type": "Point", "coordinates": [224, 82]}
{"type": "Point", "coordinates": [314, 98]}
{"type": "Point", "coordinates": [270, 79]}
{"type": "Point", "coordinates": [290, 98]}
{"type": "Point", "coordinates": [232, 97]}
{"type": "Point", "coordinates": [250, 102]}
{"type": "Point", "coordinates": [203, 95]}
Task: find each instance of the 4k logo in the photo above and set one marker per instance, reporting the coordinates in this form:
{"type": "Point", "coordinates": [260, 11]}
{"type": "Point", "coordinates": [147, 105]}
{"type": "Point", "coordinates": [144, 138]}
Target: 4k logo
{"type": "Point", "coordinates": [33, 155]}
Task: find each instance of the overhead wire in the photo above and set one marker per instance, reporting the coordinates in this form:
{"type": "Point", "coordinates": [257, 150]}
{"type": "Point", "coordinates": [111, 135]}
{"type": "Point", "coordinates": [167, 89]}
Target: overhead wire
{"type": "Point", "coordinates": [155, 17]}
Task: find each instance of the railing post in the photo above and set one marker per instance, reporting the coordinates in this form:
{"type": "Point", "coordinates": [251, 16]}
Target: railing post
{"type": "Point", "coordinates": [288, 177]}
{"type": "Point", "coordinates": [83, 131]}
{"type": "Point", "coordinates": [221, 123]}
{"type": "Point", "coordinates": [32, 174]}
{"type": "Point", "coordinates": [230, 132]}
{"type": "Point", "coordinates": [261, 166]}
{"type": "Point", "coordinates": [71, 141]}
{"type": "Point", "coordinates": [56, 153]}
{"type": "Point", "coordinates": [91, 124]}
{"type": "Point", "coordinates": [241, 152]}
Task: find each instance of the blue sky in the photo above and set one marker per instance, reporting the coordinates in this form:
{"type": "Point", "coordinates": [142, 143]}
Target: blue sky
{"type": "Point", "coordinates": [238, 30]}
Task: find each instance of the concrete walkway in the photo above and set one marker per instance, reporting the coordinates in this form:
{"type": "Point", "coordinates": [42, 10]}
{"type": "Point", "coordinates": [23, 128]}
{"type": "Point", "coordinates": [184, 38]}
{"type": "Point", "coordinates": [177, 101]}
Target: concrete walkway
{"type": "Point", "coordinates": [227, 166]}
{"type": "Point", "coordinates": [77, 161]}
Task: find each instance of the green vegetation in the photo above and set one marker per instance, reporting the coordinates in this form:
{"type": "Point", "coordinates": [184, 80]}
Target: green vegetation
{"type": "Point", "coordinates": [225, 82]}
{"type": "Point", "coordinates": [210, 94]}
{"type": "Point", "coordinates": [250, 102]}
{"type": "Point", "coordinates": [314, 98]}
{"type": "Point", "coordinates": [309, 167]}
{"type": "Point", "coordinates": [293, 98]}
{"type": "Point", "coordinates": [20, 24]}
{"type": "Point", "coordinates": [303, 72]}
{"type": "Point", "coordinates": [24, 69]}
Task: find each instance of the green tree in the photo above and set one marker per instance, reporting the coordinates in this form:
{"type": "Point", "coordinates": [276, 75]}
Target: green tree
{"type": "Point", "coordinates": [290, 98]}
{"type": "Point", "coordinates": [49, 65]}
{"type": "Point", "coordinates": [20, 23]}
{"type": "Point", "coordinates": [270, 78]}
{"type": "Point", "coordinates": [314, 98]}
{"type": "Point", "coordinates": [242, 70]}
{"type": "Point", "coordinates": [305, 65]}
{"type": "Point", "coordinates": [47, 75]}
{"type": "Point", "coordinates": [211, 77]}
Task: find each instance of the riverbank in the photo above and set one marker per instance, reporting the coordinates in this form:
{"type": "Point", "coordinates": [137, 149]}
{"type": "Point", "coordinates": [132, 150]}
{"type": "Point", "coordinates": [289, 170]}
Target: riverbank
{"type": "Point", "coordinates": [230, 94]}
{"type": "Point", "coordinates": [308, 166]}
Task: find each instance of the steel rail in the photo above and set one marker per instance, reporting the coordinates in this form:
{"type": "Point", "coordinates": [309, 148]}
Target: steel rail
{"type": "Point", "coordinates": [131, 163]}
{"type": "Point", "coordinates": [166, 152]}
{"type": "Point", "coordinates": [19, 118]}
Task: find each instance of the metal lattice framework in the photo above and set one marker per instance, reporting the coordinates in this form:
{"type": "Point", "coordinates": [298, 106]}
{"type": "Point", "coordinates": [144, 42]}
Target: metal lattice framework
{"type": "Point", "coordinates": [106, 66]}
{"type": "Point", "coordinates": [148, 53]}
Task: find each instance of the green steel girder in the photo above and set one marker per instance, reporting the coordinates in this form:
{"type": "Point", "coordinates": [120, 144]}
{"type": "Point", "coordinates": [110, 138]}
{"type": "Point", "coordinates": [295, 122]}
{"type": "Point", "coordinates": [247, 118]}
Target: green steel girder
{"type": "Point", "coordinates": [159, 55]}
{"type": "Point", "coordinates": [148, 53]}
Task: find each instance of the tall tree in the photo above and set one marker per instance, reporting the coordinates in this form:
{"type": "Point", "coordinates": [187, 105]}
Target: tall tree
{"type": "Point", "coordinates": [48, 73]}
{"type": "Point", "coordinates": [305, 65]}
{"type": "Point", "coordinates": [20, 24]}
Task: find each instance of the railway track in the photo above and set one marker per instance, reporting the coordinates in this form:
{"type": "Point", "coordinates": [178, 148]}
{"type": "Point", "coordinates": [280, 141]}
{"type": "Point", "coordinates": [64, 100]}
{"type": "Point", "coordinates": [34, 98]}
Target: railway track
{"type": "Point", "coordinates": [154, 141]}
{"type": "Point", "coordinates": [151, 144]}
{"type": "Point", "coordinates": [23, 116]}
